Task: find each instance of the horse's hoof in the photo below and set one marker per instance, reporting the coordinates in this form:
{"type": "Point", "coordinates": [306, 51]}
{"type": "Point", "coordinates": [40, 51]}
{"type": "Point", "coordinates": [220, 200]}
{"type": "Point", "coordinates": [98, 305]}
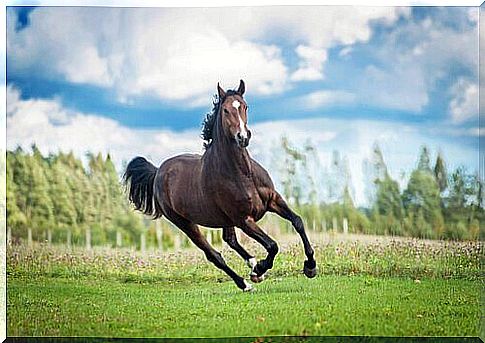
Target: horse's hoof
{"type": "Point", "coordinates": [256, 279]}
{"type": "Point", "coordinates": [248, 288]}
{"type": "Point", "coordinates": [309, 272]}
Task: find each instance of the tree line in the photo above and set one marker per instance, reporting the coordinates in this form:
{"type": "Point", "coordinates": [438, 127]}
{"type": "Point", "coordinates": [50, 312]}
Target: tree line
{"type": "Point", "coordinates": [56, 198]}
{"type": "Point", "coordinates": [436, 203]}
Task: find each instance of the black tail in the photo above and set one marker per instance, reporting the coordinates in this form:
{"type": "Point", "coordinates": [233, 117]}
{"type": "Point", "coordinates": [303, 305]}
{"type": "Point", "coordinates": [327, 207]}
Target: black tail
{"type": "Point", "coordinates": [138, 178]}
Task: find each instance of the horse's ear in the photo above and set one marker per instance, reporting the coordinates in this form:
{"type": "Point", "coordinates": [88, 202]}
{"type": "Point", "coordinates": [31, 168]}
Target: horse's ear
{"type": "Point", "coordinates": [220, 91]}
{"type": "Point", "coordinates": [242, 87]}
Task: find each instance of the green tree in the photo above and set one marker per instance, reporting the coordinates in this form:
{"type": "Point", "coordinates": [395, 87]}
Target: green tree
{"type": "Point", "coordinates": [375, 169]}
{"type": "Point", "coordinates": [422, 199]}
{"type": "Point", "coordinates": [16, 219]}
{"type": "Point", "coordinates": [424, 163]}
{"type": "Point", "coordinates": [292, 188]}
{"type": "Point", "coordinates": [64, 212]}
{"type": "Point", "coordinates": [388, 198]}
{"type": "Point", "coordinates": [440, 173]}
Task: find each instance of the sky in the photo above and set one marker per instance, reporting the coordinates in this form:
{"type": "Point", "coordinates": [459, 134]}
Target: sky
{"type": "Point", "coordinates": [138, 81]}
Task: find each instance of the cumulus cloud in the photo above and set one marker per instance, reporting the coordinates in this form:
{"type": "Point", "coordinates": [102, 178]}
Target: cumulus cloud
{"type": "Point", "coordinates": [464, 104]}
{"type": "Point", "coordinates": [177, 54]}
{"type": "Point", "coordinates": [414, 56]}
{"type": "Point", "coordinates": [311, 63]}
{"type": "Point", "coordinates": [325, 98]}
{"type": "Point", "coordinates": [47, 123]}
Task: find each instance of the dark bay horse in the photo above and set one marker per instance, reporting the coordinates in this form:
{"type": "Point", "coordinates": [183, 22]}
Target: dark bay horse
{"type": "Point", "coordinates": [224, 188]}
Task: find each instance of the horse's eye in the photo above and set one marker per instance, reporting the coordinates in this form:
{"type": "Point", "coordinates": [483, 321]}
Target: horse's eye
{"type": "Point", "coordinates": [226, 111]}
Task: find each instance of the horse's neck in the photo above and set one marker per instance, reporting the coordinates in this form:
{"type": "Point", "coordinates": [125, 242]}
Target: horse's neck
{"type": "Point", "coordinates": [230, 159]}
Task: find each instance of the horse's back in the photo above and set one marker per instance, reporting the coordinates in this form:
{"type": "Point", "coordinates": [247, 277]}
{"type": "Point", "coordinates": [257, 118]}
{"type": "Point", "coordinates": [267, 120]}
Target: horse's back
{"type": "Point", "coordinates": [180, 168]}
{"type": "Point", "coordinates": [177, 181]}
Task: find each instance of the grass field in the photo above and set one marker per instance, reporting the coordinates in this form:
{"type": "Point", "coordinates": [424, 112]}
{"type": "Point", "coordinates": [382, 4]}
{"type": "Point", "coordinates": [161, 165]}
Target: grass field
{"type": "Point", "coordinates": [376, 287]}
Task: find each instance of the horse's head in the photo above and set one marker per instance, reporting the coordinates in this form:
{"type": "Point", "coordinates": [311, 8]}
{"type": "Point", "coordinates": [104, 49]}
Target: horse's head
{"type": "Point", "coordinates": [234, 115]}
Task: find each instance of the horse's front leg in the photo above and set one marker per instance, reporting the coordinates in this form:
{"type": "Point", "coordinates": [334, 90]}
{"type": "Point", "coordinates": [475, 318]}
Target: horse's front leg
{"type": "Point", "coordinates": [250, 227]}
{"type": "Point", "coordinates": [229, 236]}
{"type": "Point", "coordinates": [279, 206]}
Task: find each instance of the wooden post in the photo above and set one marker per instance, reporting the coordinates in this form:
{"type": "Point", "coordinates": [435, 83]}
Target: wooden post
{"type": "Point", "coordinates": [118, 239]}
{"type": "Point", "coordinates": [159, 233]}
{"type": "Point", "coordinates": [314, 225]}
{"type": "Point", "coordinates": [345, 225]}
{"type": "Point", "coordinates": [334, 224]}
{"type": "Point", "coordinates": [9, 236]}
{"type": "Point", "coordinates": [68, 239]}
{"type": "Point", "coordinates": [29, 237]}
{"type": "Point", "coordinates": [142, 242]}
{"type": "Point", "coordinates": [49, 237]}
{"type": "Point", "coordinates": [88, 239]}
{"type": "Point", "coordinates": [177, 241]}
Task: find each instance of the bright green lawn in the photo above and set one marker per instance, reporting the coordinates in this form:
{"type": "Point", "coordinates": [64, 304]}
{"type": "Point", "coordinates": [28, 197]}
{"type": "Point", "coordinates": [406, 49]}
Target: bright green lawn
{"type": "Point", "coordinates": [327, 305]}
{"type": "Point", "coordinates": [398, 288]}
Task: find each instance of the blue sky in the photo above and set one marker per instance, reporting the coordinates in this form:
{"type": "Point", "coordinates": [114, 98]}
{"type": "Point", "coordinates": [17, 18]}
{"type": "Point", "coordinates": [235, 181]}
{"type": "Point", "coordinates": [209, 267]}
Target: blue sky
{"type": "Point", "coordinates": [90, 77]}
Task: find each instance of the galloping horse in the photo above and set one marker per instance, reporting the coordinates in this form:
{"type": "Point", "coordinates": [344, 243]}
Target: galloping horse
{"type": "Point", "coordinates": [224, 188]}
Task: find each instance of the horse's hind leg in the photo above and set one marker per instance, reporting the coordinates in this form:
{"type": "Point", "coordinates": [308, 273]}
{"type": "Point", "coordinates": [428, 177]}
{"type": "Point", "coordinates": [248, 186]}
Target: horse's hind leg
{"type": "Point", "coordinates": [254, 231]}
{"type": "Point", "coordinates": [229, 236]}
{"type": "Point", "coordinates": [193, 232]}
{"type": "Point", "coordinates": [279, 206]}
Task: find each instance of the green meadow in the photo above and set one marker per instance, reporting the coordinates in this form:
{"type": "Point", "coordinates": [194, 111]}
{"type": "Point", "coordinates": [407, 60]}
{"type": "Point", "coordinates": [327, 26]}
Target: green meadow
{"type": "Point", "coordinates": [404, 287]}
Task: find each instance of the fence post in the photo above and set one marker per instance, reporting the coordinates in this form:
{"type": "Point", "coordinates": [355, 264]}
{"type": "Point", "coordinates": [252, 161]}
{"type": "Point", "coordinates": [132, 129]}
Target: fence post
{"type": "Point", "coordinates": [334, 224]}
{"type": "Point", "coordinates": [9, 235]}
{"type": "Point", "coordinates": [345, 225]}
{"type": "Point", "coordinates": [49, 236]}
{"type": "Point", "coordinates": [118, 239]}
{"type": "Point", "coordinates": [176, 242]}
{"type": "Point", "coordinates": [29, 236]}
{"type": "Point", "coordinates": [142, 242]}
{"type": "Point", "coordinates": [314, 225]}
{"type": "Point", "coordinates": [88, 239]}
{"type": "Point", "coordinates": [159, 233]}
{"type": "Point", "coordinates": [68, 239]}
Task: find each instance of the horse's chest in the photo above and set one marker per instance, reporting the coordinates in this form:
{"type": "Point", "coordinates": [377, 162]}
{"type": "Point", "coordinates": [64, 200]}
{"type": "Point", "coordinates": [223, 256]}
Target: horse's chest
{"type": "Point", "coordinates": [240, 199]}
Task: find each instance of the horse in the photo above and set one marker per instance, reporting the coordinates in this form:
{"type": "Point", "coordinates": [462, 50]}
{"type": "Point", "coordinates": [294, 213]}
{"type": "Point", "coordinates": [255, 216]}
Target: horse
{"type": "Point", "coordinates": [222, 188]}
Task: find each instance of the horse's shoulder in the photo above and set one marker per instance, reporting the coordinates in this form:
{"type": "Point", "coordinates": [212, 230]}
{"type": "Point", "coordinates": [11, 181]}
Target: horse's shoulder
{"type": "Point", "coordinates": [261, 175]}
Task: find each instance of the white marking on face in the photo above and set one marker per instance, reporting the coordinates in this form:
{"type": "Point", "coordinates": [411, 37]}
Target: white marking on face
{"type": "Point", "coordinates": [244, 133]}
{"type": "Point", "coordinates": [236, 104]}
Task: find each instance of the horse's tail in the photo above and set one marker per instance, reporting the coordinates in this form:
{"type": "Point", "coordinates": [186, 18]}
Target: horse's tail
{"type": "Point", "coordinates": [139, 178]}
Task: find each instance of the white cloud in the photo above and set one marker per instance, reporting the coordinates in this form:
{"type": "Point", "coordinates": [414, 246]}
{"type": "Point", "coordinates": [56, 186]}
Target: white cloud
{"type": "Point", "coordinates": [323, 98]}
{"type": "Point", "coordinates": [311, 63]}
{"type": "Point", "coordinates": [464, 105]}
{"type": "Point", "coordinates": [413, 57]}
{"type": "Point", "coordinates": [178, 54]}
{"type": "Point", "coordinates": [53, 127]}
{"type": "Point", "coordinates": [345, 52]}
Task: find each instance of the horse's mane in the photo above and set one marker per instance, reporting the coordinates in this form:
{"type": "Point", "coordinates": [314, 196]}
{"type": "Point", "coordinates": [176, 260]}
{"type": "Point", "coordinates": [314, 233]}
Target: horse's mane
{"type": "Point", "coordinates": [210, 118]}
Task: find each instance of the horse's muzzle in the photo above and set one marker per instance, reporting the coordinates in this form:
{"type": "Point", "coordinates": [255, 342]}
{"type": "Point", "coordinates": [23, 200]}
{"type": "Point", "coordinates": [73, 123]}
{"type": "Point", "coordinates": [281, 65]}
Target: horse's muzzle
{"type": "Point", "coordinates": [243, 141]}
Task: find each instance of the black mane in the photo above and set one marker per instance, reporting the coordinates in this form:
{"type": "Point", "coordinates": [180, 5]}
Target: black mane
{"type": "Point", "coordinates": [210, 118]}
